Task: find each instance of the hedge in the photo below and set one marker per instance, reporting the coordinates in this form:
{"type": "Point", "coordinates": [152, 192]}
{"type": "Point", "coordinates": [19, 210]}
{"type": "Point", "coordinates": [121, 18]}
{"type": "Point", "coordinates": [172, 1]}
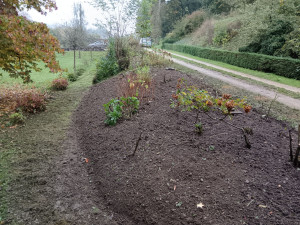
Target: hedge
{"type": "Point", "coordinates": [286, 67]}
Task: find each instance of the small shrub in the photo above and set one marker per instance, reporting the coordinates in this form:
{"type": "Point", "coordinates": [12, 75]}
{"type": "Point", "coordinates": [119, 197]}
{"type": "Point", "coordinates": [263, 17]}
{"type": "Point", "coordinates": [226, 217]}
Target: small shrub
{"type": "Point", "coordinates": [143, 75]}
{"type": "Point", "coordinates": [136, 85]}
{"type": "Point", "coordinates": [115, 109]}
{"type": "Point", "coordinates": [72, 77]}
{"type": "Point", "coordinates": [59, 84]}
{"type": "Point", "coordinates": [80, 71]}
{"type": "Point", "coordinates": [107, 67]}
{"type": "Point", "coordinates": [130, 106]}
{"type": "Point", "coordinates": [190, 98]}
{"type": "Point", "coordinates": [199, 128]}
{"type": "Point", "coordinates": [162, 59]}
{"type": "Point", "coordinates": [221, 38]}
{"type": "Point", "coordinates": [28, 99]}
{"type": "Point", "coordinates": [16, 118]}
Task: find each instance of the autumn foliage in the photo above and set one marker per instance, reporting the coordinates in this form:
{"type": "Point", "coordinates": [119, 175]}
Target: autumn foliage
{"type": "Point", "coordinates": [59, 84]}
{"type": "Point", "coordinates": [26, 99]}
{"type": "Point", "coordinates": [24, 43]}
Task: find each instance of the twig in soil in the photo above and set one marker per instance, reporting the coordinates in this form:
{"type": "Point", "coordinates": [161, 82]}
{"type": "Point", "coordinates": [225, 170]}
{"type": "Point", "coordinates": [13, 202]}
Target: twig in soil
{"type": "Point", "coordinates": [248, 145]}
{"type": "Point", "coordinates": [137, 144]}
{"type": "Point", "coordinates": [250, 202]}
{"type": "Point", "coordinates": [291, 147]}
{"type": "Point", "coordinates": [271, 104]}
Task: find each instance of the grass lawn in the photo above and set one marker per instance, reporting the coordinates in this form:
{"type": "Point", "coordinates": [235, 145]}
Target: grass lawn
{"type": "Point", "coordinates": [44, 78]}
{"type": "Point", "coordinates": [268, 76]}
{"type": "Point", "coordinates": [39, 140]}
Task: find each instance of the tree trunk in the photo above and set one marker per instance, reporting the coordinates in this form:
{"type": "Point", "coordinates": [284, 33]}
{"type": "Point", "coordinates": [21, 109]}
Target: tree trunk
{"type": "Point", "coordinates": [74, 61]}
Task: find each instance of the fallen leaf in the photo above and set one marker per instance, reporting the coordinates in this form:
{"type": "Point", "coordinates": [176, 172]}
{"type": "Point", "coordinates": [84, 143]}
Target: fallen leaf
{"type": "Point", "coordinates": [200, 205]}
{"type": "Point", "coordinates": [174, 187]}
{"type": "Point", "coordinates": [86, 160]}
{"type": "Point", "coordinates": [262, 206]}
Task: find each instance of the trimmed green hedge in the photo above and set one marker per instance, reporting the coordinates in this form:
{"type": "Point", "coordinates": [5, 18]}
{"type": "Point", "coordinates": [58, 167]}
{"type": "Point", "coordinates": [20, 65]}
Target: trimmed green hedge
{"type": "Point", "coordinates": [278, 65]}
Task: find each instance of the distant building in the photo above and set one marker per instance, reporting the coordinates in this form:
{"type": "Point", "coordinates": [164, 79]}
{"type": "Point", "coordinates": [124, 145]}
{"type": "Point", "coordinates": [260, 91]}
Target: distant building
{"type": "Point", "coordinates": [98, 45]}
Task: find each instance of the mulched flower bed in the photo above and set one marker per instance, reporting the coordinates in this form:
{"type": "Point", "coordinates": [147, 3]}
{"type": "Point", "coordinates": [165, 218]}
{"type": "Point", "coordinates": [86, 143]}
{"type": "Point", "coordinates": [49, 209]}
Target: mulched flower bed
{"type": "Point", "coordinates": [174, 169]}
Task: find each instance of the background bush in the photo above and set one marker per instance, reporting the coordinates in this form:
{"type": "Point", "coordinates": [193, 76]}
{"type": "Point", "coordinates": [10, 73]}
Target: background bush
{"type": "Point", "coordinates": [59, 84]}
{"type": "Point", "coordinates": [26, 99]}
{"type": "Point", "coordinates": [108, 65]}
{"type": "Point", "coordinates": [286, 67]}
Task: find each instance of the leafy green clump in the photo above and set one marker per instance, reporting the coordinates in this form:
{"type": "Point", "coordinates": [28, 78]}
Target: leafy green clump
{"type": "Point", "coordinates": [116, 109]}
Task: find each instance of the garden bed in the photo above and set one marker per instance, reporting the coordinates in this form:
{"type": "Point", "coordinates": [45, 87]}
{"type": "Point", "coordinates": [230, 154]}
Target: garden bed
{"type": "Point", "coordinates": [175, 170]}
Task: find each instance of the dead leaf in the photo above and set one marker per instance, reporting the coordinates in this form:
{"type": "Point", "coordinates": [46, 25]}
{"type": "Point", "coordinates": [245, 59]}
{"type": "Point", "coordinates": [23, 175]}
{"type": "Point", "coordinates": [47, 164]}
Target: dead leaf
{"type": "Point", "coordinates": [86, 160]}
{"type": "Point", "coordinates": [174, 187]}
{"type": "Point", "coordinates": [200, 205]}
{"type": "Point", "coordinates": [262, 206]}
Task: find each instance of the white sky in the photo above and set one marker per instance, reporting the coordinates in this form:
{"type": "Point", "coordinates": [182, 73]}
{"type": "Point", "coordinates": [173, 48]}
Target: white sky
{"type": "Point", "coordinates": [64, 13]}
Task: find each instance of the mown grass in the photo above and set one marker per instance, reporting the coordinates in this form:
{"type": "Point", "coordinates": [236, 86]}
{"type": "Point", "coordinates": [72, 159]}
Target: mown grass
{"type": "Point", "coordinates": [27, 152]}
{"type": "Point", "coordinates": [44, 78]}
{"type": "Point", "coordinates": [267, 76]}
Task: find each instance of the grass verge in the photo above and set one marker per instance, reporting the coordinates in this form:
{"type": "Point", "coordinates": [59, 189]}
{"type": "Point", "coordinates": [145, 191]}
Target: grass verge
{"type": "Point", "coordinates": [27, 154]}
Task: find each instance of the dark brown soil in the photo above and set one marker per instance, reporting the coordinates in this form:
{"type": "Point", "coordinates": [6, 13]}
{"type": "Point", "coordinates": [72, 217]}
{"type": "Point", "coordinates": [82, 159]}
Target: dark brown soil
{"type": "Point", "coordinates": [175, 169]}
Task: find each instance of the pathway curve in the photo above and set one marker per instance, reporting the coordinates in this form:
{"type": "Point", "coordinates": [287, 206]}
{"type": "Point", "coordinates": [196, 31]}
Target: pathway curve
{"type": "Point", "coordinates": [276, 84]}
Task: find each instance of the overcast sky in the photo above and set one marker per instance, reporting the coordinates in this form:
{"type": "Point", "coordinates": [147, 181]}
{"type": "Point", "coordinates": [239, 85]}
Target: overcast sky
{"type": "Point", "coordinates": [64, 13]}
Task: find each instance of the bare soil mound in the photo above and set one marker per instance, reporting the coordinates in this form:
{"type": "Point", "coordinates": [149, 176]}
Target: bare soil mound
{"type": "Point", "coordinates": [174, 169]}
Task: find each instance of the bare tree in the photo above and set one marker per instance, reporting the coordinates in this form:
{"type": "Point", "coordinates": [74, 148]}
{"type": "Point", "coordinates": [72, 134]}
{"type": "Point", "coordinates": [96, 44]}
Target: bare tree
{"type": "Point", "coordinates": [76, 32]}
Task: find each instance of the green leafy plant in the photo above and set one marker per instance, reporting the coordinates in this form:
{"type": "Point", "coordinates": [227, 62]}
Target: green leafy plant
{"type": "Point", "coordinates": [72, 77]}
{"type": "Point", "coordinates": [16, 118]}
{"type": "Point", "coordinates": [199, 128]}
{"type": "Point", "coordinates": [113, 111]}
{"type": "Point", "coordinates": [116, 108]}
{"type": "Point", "coordinates": [108, 65]}
{"type": "Point", "coordinates": [130, 106]}
{"type": "Point", "coordinates": [191, 98]}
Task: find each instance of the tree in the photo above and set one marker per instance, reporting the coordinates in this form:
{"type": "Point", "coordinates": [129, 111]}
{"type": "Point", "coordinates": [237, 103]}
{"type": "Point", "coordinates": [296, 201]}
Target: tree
{"type": "Point", "coordinates": [119, 15]}
{"type": "Point", "coordinates": [24, 43]}
{"type": "Point", "coordinates": [75, 32]}
{"type": "Point", "coordinates": [143, 22]}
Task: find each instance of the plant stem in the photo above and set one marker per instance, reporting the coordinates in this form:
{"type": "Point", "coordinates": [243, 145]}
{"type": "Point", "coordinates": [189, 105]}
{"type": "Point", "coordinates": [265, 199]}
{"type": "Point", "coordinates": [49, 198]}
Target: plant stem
{"type": "Point", "coordinates": [291, 147]}
{"type": "Point", "coordinates": [137, 144]}
{"type": "Point", "coordinates": [248, 145]}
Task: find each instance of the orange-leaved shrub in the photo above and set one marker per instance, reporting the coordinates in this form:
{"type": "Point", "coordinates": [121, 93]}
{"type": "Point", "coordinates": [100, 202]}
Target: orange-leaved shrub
{"type": "Point", "coordinates": [27, 99]}
{"type": "Point", "coordinates": [137, 84]}
{"type": "Point", "coordinates": [60, 84]}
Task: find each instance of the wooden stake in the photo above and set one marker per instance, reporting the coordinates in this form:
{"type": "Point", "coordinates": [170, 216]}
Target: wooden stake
{"type": "Point", "coordinates": [299, 134]}
{"type": "Point", "coordinates": [291, 146]}
{"type": "Point", "coordinates": [296, 161]}
{"type": "Point", "coordinates": [137, 144]}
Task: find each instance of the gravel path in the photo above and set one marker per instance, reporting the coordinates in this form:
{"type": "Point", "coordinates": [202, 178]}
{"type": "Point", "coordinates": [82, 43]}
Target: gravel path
{"type": "Point", "coordinates": [273, 83]}
{"type": "Point", "coordinates": [284, 99]}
